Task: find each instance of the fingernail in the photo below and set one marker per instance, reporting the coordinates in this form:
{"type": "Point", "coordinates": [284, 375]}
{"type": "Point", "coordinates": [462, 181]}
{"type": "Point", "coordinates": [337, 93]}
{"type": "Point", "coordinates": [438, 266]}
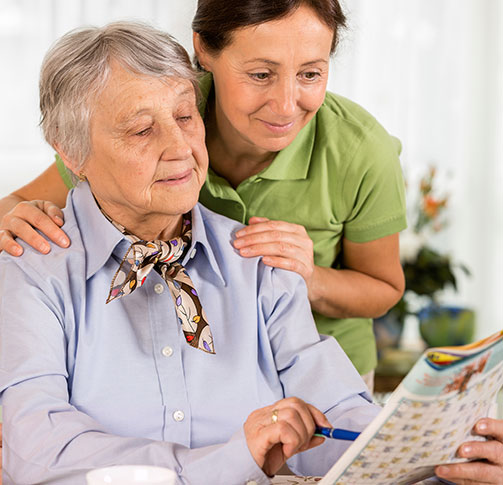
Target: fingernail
{"type": "Point", "coordinates": [482, 426]}
{"type": "Point", "coordinates": [44, 248]}
{"type": "Point", "coordinates": [63, 241]}
{"type": "Point", "coordinates": [245, 251]}
{"type": "Point", "coordinates": [58, 220]}
{"type": "Point", "coordinates": [441, 470]}
{"type": "Point", "coordinates": [17, 251]}
{"type": "Point", "coordinates": [467, 449]}
{"type": "Point", "coordinates": [238, 243]}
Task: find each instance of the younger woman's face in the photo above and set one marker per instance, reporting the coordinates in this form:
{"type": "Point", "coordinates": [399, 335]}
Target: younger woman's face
{"type": "Point", "coordinates": [271, 79]}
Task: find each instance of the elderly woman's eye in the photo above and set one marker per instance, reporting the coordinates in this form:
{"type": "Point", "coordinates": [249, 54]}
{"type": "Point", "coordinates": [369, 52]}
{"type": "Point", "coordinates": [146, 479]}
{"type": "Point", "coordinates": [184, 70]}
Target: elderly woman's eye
{"type": "Point", "coordinates": [144, 132]}
{"type": "Point", "coordinates": [184, 119]}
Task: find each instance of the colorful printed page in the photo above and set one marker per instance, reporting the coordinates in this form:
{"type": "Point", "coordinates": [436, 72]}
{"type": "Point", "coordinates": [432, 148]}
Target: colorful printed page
{"type": "Point", "coordinates": [297, 480]}
{"type": "Point", "coordinates": [426, 419]}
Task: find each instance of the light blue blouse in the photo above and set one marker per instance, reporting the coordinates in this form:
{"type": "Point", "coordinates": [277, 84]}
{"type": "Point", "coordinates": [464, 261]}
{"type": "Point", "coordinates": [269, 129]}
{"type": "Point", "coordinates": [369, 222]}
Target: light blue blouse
{"type": "Point", "coordinates": [84, 384]}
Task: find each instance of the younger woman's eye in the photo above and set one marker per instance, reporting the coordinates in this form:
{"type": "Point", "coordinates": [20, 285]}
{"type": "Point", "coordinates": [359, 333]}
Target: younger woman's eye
{"type": "Point", "coordinates": [260, 76]}
{"type": "Point", "coordinates": [311, 75]}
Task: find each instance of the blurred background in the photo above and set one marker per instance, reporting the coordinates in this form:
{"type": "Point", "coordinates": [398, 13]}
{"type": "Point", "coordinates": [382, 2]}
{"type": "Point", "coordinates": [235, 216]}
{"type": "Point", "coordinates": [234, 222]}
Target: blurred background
{"type": "Point", "coordinates": [430, 71]}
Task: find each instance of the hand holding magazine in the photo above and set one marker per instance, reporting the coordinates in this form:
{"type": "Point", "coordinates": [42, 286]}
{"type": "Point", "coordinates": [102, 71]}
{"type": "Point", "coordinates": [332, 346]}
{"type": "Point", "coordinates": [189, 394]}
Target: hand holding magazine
{"type": "Point", "coordinates": [426, 419]}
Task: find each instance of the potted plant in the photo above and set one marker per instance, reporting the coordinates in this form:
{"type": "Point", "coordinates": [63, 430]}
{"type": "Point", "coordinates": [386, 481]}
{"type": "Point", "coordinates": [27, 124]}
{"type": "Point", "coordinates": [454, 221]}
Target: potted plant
{"type": "Point", "coordinates": [427, 272]}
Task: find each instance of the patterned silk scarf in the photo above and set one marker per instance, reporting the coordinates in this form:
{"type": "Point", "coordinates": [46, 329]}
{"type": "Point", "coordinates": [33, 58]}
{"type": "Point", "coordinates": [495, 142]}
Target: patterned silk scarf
{"type": "Point", "coordinates": [163, 256]}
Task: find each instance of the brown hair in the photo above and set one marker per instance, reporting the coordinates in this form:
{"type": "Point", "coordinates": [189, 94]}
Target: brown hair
{"type": "Point", "coordinates": [215, 20]}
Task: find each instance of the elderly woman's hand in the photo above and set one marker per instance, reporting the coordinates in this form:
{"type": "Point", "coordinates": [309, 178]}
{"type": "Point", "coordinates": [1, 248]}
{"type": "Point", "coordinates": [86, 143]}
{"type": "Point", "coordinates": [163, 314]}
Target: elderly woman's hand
{"type": "Point", "coordinates": [276, 433]}
{"type": "Point", "coordinates": [22, 221]}
{"type": "Point", "coordinates": [282, 245]}
{"type": "Point", "coordinates": [489, 455]}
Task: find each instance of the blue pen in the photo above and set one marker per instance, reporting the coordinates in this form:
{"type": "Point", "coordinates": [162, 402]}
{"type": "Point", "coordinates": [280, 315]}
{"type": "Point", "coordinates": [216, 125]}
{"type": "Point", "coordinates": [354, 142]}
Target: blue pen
{"type": "Point", "coordinates": [336, 433]}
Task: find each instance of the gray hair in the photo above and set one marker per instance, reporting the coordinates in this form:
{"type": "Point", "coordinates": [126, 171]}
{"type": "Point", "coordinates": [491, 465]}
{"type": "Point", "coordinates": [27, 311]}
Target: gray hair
{"type": "Point", "coordinates": [77, 67]}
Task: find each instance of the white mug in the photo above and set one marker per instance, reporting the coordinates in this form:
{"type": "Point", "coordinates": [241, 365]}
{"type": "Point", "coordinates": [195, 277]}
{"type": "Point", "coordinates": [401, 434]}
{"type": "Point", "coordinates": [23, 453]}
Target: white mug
{"type": "Point", "coordinates": [131, 475]}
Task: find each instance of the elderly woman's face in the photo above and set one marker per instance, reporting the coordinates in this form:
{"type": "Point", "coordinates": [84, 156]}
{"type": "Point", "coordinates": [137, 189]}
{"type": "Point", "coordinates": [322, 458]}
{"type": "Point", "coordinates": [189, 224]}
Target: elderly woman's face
{"type": "Point", "coordinates": [147, 146]}
{"type": "Point", "coordinates": [271, 79]}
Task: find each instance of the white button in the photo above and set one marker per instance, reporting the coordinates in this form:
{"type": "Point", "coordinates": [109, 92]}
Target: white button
{"type": "Point", "coordinates": [159, 288]}
{"type": "Point", "coordinates": [193, 253]}
{"type": "Point", "coordinates": [178, 415]}
{"type": "Point", "coordinates": [167, 351]}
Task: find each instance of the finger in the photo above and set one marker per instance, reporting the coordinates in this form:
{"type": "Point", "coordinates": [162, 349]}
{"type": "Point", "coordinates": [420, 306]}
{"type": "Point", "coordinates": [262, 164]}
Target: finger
{"type": "Point", "coordinates": [260, 226]}
{"type": "Point", "coordinates": [284, 432]}
{"type": "Point", "coordinates": [257, 220]}
{"type": "Point", "coordinates": [313, 443]}
{"type": "Point", "coordinates": [490, 427]}
{"type": "Point", "coordinates": [303, 416]}
{"type": "Point", "coordinates": [274, 236]}
{"type": "Point", "coordinates": [54, 212]}
{"type": "Point", "coordinates": [468, 473]}
{"type": "Point", "coordinates": [27, 233]}
{"type": "Point", "coordinates": [319, 418]}
{"type": "Point", "coordinates": [289, 264]}
{"type": "Point", "coordinates": [276, 248]}
{"type": "Point", "coordinates": [8, 244]}
{"type": "Point", "coordinates": [491, 450]}
{"type": "Point", "coordinates": [44, 223]}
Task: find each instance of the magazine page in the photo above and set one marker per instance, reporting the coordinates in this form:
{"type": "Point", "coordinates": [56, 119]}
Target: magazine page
{"type": "Point", "coordinates": [425, 420]}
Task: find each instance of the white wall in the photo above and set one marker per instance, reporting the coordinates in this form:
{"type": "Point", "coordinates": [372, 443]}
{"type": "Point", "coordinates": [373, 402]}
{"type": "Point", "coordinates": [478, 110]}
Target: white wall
{"type": "Point", "coordinates": [431, 71]}
{"type": "Point", "coordinates": [27, 29]}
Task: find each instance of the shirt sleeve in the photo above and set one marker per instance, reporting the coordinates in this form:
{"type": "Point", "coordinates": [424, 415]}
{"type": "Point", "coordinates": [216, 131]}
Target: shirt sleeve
{"type": "Point", "coordinates": [46, 438]}
{"type": "Point", "coordinates": [372, 190]}
{"type": "Point", "coordinates": [313, 368]}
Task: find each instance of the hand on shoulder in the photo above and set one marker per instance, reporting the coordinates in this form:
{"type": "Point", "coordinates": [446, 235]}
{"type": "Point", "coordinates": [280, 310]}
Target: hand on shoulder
{"type": "Point", "coordinates": [22, 222]}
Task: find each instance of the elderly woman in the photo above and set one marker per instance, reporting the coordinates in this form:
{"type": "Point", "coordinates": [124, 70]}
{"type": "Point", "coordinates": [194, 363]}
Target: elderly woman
{"type": "Point", "coordinates": [151, 340]}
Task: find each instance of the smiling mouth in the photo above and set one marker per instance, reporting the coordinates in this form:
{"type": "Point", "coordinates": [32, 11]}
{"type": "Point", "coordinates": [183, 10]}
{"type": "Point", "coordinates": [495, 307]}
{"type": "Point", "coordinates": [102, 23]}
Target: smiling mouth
{"type": "Point", "coordinates": [177, 179]}
{"type": "Point", "coordinates": [278, 128]}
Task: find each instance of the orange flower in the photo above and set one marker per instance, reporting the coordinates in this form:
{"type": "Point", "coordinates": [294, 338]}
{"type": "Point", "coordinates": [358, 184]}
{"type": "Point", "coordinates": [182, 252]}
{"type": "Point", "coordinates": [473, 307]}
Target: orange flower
{"type": "Point", "coordinates": [430, 206]}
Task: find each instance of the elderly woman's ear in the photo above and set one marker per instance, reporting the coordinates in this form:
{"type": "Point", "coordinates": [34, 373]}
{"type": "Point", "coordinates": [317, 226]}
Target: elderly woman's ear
{"type": "Point", "coordinates": [69, 164]}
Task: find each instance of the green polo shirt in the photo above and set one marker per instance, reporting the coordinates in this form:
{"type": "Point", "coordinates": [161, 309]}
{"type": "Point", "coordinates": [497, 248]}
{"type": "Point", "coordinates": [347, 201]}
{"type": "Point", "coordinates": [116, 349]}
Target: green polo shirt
{"type": "Point", "coordinates": [341, 176]}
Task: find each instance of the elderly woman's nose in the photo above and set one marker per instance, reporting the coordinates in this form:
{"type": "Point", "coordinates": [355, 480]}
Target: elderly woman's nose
{"type": "Point", "coordinates": [175, 145]}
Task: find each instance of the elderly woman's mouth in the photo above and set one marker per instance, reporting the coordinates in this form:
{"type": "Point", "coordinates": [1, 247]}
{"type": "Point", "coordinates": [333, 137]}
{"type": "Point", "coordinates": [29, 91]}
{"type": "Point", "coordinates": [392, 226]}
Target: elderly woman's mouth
{"type": "Point", "coordinates": [176, 179]}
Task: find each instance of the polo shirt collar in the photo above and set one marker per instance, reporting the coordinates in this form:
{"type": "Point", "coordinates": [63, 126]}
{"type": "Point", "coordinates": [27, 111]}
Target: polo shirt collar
{"type": "Point", "coordinates": [291, 163]}
{"type": "Point", "coordinates": [98, 250]}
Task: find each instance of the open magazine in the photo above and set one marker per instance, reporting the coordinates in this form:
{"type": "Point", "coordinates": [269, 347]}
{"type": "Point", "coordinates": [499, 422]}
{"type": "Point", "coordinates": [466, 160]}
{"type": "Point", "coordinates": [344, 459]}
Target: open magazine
{"type": "Point", "coordinates": [427, 417]}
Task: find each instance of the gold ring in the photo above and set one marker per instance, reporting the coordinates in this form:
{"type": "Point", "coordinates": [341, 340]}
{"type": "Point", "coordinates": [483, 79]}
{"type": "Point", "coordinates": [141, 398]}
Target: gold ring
{"type": "Point", "coordinates": [274, 417]}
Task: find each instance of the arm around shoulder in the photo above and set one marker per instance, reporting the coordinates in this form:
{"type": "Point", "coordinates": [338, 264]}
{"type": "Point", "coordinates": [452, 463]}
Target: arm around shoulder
{"type": "Point", "coordinates": [36, 206]}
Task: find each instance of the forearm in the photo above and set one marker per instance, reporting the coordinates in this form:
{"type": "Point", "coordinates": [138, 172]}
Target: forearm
{"type": "Point", "coordinates": [65, 444]}
{"type": "Point", "coordinates": [345, 293]}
